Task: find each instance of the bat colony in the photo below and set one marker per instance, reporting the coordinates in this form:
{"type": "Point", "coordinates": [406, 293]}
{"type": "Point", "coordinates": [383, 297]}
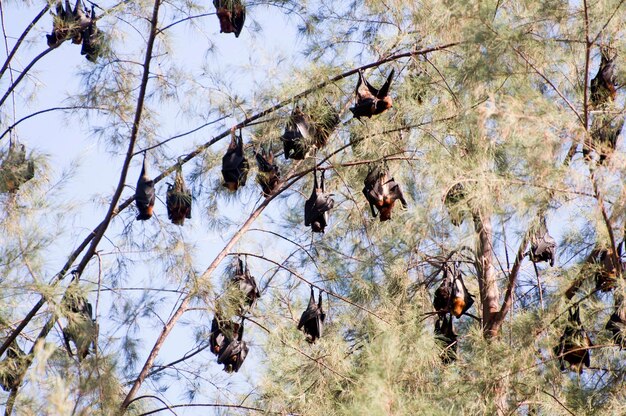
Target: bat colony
{"type": "Point", "coordinates": [305, 132]}
{"type": "Point", "coordinates": [79, 25]}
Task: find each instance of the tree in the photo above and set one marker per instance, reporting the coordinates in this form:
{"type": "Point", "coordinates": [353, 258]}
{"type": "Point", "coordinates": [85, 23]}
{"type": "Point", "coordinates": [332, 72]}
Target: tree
{"type": "Point", "coordinates": [496, 125]}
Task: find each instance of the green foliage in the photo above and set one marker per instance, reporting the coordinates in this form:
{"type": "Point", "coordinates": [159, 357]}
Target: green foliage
{"type": "Point", "coordinates": [491, 95]}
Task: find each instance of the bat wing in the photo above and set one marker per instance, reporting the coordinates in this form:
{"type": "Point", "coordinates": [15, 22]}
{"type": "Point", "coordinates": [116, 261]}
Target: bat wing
{"type": "Point", "coordinates": [395, 192]}
{"type": "Point", "coordinates": [309, 209]}
{"type": "Point", "coordinates": [324, 203]}
{"type": "Point", "coordinates": [238, 17]}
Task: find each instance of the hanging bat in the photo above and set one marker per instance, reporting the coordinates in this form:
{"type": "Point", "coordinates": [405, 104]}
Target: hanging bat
{"type": "Point", "coordinates": [234, 164]}
{"type": "Point", "coordinates": [68, 23]}
{"type": "Point", "coordinates": [178, 200]}
{"type": "Point", "coordinates": [616, 325]}
{"type": "Point", "coordinates": [603, 85]}
{"type": "Point", "coordinates": [543, 246]}
{"type": "Point", "coordinates": [312, 319]}
{"type": "Point", "coordinates": [269, 174]}
{"type": "Point", "coordinates": [231, 14]}
{"type": "Point", "coordinates": [443, 294]}
{"type": "Point", "coordinates": [221, 334]}
{"type": "Point", "coordinates": [233, 354]}
{"type": "Point", "coordinates": [462, 300]}
{"type": "Point", "coordinates": [605, 130]}
{"type": "Point", "coordinates": [381, 191]}
{"type": "Point", "coordinates": [317, 206]}
{"type": "Point", "coordinates": [12, 367]}
{"type": "Point", "coordinates": [294, 144]}
{"type": "Point", "coordinates": [144, 193]}
{"type": "Point", "coordinates": [92, 39]}
{"type": "Point", "coordinates": [372, 101]}
{"type": "Point", "coordinates": [81, 328]}
{"type": "Point", "coordinates": [15, 169]}
{"type": "Point", "coordinates": [447, 337]}
{"type": "Point", "coordinates": [246, 282]}
{"type": "Point", "coordinates": [455, 203]}
{"type": "Point", "coordinates": [606, 270]}
{"type": "Point", "coordinates": [574, 344]}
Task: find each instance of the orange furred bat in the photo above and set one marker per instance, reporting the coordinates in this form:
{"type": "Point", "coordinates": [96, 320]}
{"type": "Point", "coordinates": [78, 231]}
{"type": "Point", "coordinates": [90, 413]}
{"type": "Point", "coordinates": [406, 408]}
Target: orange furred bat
{"type": "Point", "coordinates": [231, 14]}
{"type": "Point", "coordinates": [371, 101]}
{"type": "Point", "coordinates": [381, 192]}
{"type": "Point", "coordinates": [144, 193]}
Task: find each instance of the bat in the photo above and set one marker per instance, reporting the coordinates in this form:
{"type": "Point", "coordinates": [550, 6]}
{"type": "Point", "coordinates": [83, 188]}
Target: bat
{"type": "Point", "coordinates": [302, 132]}
{"type": "Point", "coordinates": [312, 319]}
{"type": "Point", "coordinates": [462, 300]}
{"type": "Point", "coordinates": [12, 366]}
{"type": "Point", "coordinates": [616, 325]}
{"type": "Point", "coordinates": [81, 328]}
{"type": "Point", "coordinates": [246, 282]}
{"type": "Point", "coordinates": [234, 164]}
{"type": "Point", "coordinates": [221, 332]}
{"type": "Point", "coordinates": [603, 85]}
{"type": "Point", "coordinates": [446, 337]}
{"type": "Point", "coordinates": [317, 206]}
{"type": "Point", "coordinates": [15, 169]}
{"type": "Point", "coordinates": [574, 344]}
{"type": "Point", "coordinates": [178, 200]}
{"type": "Point", "coordinates": [443, 294]}
{"type": "Point", "coordinates": [543, 246]}
{"type": "Point", "coordinates": [381, 191]}
{"type": "Point", "coordinates": [454, 202]}
{"type": "Point", "coordinates": [144, 193]}
{"type": "Point", "coordinates": [67, 23]}
{"type": "Point", "coordinates": [234, 352]}
{"type": "Point", "coordinates": [294, 144]}
{"type": "Point", "coordinates": [269, 174]}
{"type": "Point", "coordinates": [92, 38]}
{"type": "Point", "coordinates": [605, 130]}
{"type": "Point", "coordinates": [606, 271]}
{"type": "Point", "coordinates": [231, 14]}
{"type": "Point", "coordinates": [371, 101]}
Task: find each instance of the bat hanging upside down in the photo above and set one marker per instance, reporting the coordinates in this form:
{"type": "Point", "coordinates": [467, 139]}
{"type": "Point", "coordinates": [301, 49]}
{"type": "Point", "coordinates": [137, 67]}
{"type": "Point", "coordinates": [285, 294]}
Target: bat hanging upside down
{"type": "Point", "coordinates": [232, 15]}
{"type": "Point", "coordinates": [233, 351]}
{"type": "Point", "coordinates": [81, 328]}
{"type": "Point", "coordinates": [269, 174]}
{"type": "Point", "coordinates": [234, 164]}
{"type": "Point", "coordinates": [604, 85]}
{"type": "Point", "coordinates": [317, 206]}
{"type": "Point", "coordinates": [246, 282]}
{"type": "Point", "coordinates": [543, 246]}
{"type": "Point", "coordinates": [574, 344]}
{"type": "Point", "coordinates": [312, 319]}
{"type": "Point", "coordinates": [144, 193]}
{"type": "Point", "coordinates": [371, 101]}
{"type": "Point", "coordinates": [178, 200]}
{"type": "Point", "coordinates": [382, 192]}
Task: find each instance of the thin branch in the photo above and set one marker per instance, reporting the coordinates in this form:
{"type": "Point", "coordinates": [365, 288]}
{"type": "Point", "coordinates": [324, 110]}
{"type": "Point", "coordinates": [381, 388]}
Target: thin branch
{"type": "Point", "coordinates": [78, 107]}
{"type": "Point", "coordinates": [554, 87]}
{"type": "Point", "coordinates": [23, 74]}
{"type": "Point", "coordinates": [300, 277]}
{"type": "Point", "coordinates": [181, 161]}
{"type": "Point", "coordinates": [227, 406]}
{"type": "Point", "coordinates": [21, 39]}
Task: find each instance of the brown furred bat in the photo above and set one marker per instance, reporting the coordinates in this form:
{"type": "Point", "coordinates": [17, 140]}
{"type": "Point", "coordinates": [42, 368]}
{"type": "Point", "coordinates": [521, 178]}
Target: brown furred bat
{"type": "Point", "coordinates": [381, 192]}
{"type": "Point", "coordinates": [371, 101]}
